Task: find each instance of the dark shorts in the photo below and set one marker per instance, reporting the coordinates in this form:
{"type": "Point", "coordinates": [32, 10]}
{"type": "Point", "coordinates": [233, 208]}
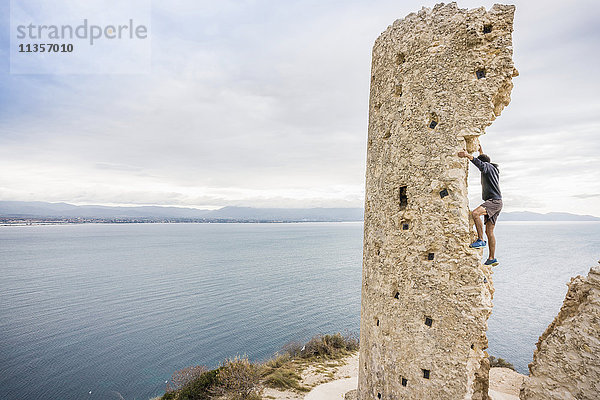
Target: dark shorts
{"type": "Point", "coordinates": [492, 208]}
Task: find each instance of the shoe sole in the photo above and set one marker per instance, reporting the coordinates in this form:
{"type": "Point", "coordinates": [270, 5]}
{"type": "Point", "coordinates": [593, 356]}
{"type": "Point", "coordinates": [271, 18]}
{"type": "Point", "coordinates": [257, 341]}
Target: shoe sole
{"type": "Point", "coordinates": [477, 247]}
{"type": "Point", "coordinates": [492, 264]}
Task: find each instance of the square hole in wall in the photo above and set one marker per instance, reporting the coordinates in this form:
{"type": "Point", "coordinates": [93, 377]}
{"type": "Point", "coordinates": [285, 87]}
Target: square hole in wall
{"type": "Point", "coordinates": [426, 373]}
{"type": "Point", "coordinates": [397, 295]}
{"type": "Point", "coordinates": [428, 321]}
{"type": "Point", "coordinates": [404, 381]}
{"type": "Point", "coordinates": [405, 226]}
{"type": "Point", "coordinates": [433, 124]}
{"type": "Point", "coordinates": [400, 58]}
{"type": "Point", "coordinates": [378, 395]}
{"type": "Point", "coordinates": [480, 73]}
{"type": "Point", "coordinates": [444, 193]}
{"type": "Point", "coordinates": [377, 322]}
{"type": "Point", "coordinates": [403, 197]}
{"type": "Point", "coordinates": [398, 90]}
{"type": "Point", "coordinates": [487, 28]}
{"type": "Point", "coordinates": [430, 256]}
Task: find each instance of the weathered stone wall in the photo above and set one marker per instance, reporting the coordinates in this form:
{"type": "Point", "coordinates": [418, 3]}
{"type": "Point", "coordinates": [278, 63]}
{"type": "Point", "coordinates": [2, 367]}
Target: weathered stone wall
{"type": "Point", "coordinates": [566, 363]}
{"type": "Point", "coordinates": [439, 78]}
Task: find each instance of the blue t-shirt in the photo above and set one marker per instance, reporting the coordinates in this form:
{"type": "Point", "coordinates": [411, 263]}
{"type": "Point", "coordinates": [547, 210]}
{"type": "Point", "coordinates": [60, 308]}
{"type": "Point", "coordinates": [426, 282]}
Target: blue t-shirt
{"type": "Point", "coordinates": [490, 179]}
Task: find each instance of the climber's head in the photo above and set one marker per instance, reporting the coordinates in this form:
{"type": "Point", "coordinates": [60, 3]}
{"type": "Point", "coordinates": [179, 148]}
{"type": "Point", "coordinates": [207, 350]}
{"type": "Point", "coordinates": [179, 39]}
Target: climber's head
{"type": "Point", "coordinates": [484, 157]}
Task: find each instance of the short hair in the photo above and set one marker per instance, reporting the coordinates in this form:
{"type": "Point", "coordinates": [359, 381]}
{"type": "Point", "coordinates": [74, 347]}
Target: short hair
{"type": "Point", "coordinates": [484, 157]}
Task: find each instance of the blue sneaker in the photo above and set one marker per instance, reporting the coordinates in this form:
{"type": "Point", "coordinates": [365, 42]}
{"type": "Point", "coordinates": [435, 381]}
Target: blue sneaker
{"type": "Point", "coordinates": [478, 244]}
{"type": "Point", "coordinates": [493, 262]}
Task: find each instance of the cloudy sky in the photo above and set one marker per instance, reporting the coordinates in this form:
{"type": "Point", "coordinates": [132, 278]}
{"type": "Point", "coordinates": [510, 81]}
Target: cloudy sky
{"type": "Point", "coordinates": [264, 103]}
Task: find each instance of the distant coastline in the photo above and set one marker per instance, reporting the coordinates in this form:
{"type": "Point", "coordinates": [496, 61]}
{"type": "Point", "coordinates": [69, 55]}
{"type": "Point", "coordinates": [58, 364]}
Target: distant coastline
{"type": "Point", "coordinates": [76, 221]}
{"type": "Point", "coordinates": [43, 213]}
{"type": "Point", "coordinates": [10, 221]}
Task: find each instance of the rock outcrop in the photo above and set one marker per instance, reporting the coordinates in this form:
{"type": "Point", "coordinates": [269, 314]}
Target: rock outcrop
{"type": "Point", "coordinates": [439, 78]}
{"type": "Point", "coordinates": [566, 363]}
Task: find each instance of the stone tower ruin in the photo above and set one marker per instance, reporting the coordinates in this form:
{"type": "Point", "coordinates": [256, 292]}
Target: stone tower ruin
{"type": "Point", "coordinates": [439, 78]}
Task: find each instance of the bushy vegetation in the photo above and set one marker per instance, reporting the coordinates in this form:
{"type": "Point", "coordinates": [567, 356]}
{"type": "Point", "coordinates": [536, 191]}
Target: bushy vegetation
{"type": "Point", "coordinates": [500, 362]}
{"type": "Point", "coordinates": [283, 371]}
{"type": "Point", "coordinates": [284, 378]}
{"type": "Point", "coordinates": [240, 379]}
{"type": "Point", "coordinates": [181, 378]}
{"type": "Point", "coordinates": [329, 346]}
{"type": "Point", "coordinates": [201, 388]}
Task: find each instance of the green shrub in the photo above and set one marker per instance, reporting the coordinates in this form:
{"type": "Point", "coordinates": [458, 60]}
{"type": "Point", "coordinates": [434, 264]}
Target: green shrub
{"type": "Point", "coordinates": [501, 363]}
{"type": "Point", "coordinates": [200, 388]}
{"type": "Point", "coordinates": [278, 361]}
{"type": "Point", "coordinates": [181, 378]}
{"type": "Point", "coordinates": [239, 379]}
{"type": "Point", "coordinates": [169, 396]}
{"type": "Point", "coordinates": [283, 378]}
{"type": "Point", "coordinates": [329, 346]}
{"type": "Point", "coordinates": [293, 349]}
{"type": "Point", "coordinates": [352, 341]}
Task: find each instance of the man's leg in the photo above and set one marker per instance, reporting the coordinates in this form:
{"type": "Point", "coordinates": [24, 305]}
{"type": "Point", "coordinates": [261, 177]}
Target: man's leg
{"type": "Point", "coordinates": [489, 231]}
{"type": "Point", "coordinates": [477, 214]}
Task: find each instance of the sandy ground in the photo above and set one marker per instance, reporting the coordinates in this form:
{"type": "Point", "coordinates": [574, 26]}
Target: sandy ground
{"type": "Point", "coordinates": [330, 380]}
{"type": "Point", "coordinates": [332, 390]}
{"type": "Point", "coordinates": [336, 379]}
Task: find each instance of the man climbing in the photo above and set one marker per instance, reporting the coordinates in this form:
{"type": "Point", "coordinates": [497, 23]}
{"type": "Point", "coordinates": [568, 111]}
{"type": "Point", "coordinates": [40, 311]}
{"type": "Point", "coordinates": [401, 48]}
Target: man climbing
{"type": "Point", "coordinates": [490, 209]}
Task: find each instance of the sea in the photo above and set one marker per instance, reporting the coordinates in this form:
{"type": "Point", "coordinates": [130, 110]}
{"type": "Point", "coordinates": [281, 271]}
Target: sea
{"type": "Point", "coordinates": [110, 311]}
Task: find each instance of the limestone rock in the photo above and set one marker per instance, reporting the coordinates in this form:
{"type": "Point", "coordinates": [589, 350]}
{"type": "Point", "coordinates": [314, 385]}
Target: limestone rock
{"type": "Point", "coordinates": [566, 363]}
{"type": "Point", "coordinates": [505, 383]}
{"type": "Point", "coordinates": [439, 78]}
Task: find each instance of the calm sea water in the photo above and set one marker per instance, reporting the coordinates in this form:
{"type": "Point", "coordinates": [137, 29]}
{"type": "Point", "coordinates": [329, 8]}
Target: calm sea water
{"type": "Point", "coordinates": [115, 309]}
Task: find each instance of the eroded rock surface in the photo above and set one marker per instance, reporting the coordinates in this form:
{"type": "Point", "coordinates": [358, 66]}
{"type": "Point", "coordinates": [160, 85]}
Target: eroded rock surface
{"type": "Point", "coordinates": [566, 363]}
{"type": "Point", "coordinates": [439, 78]}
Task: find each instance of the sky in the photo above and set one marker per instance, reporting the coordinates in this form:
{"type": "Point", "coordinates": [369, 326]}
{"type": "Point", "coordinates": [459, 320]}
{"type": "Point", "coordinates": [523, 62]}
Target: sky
{"type": "Point", "coordinates": [264, 103]}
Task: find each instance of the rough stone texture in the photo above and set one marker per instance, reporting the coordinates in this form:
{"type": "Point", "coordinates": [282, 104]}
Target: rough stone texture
{"type": "Point", "coordinates": [505, 383]}
{"type": "Point", "coordinates": [566, 363]}
{"type": "Point", "coordinates": [424, 70]}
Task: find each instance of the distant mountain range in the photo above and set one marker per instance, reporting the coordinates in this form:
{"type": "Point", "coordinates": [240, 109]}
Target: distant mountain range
{"type": "Point", "coordinates": [38, 209]}
{"type": "Point", "coordinates": [553, 216]}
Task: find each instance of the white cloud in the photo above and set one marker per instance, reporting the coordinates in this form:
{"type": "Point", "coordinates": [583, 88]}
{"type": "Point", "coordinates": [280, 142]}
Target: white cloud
{"type": "Point", "coordinates": [264, 103]}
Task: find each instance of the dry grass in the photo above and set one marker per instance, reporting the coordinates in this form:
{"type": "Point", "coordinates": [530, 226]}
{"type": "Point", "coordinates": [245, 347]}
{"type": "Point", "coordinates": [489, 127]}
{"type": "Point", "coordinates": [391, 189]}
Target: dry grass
{"type": "Point", "coordinates": [240, 379]}
{"type": "Point", "coordinates": [183, 377]}
{"type": "Point", "coordinates": [284, 371]}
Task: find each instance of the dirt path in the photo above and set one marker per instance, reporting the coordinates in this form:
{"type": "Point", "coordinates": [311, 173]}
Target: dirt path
{"type": "Point", "coordinates": [331, 383]}
{"type": "Point", "coordinates": [333, 390]}
{"type": "Point", "coordinates": [323, 378]}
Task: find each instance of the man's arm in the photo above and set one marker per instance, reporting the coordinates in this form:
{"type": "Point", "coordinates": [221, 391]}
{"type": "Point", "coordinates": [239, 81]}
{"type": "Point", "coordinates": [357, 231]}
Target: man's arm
{"type": "Point", "coordinates": [478, 163]}
{"type": "Point", "coordinates": [483, 166]}
{"type": "Point", "coordinates": [464, 154]}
